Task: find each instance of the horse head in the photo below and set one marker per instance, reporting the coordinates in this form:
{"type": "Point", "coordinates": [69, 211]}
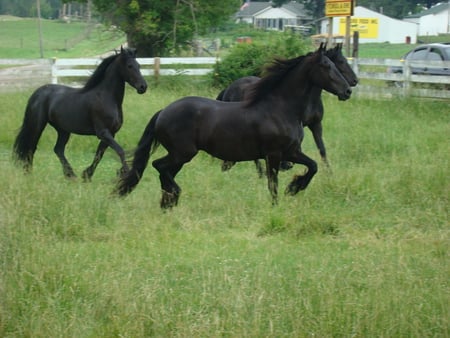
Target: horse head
{"type": "Point", "coordinates": [335, 55]}
{"type": "Point", "coordinates": [130, 70]}
{"type": "Point", "coordinates": [325, 75]}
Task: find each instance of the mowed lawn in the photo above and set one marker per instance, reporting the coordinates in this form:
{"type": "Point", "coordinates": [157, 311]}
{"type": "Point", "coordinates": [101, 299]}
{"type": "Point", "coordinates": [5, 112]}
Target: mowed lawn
{"type": "Point", "coordinates": [363, 252]}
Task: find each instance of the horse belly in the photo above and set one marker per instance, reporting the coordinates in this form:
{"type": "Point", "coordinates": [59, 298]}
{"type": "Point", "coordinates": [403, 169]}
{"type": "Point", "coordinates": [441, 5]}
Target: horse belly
{"type": "Point", "coordinates": [234, 145]}
{"type": "Point", "coordinates": [73, 121]}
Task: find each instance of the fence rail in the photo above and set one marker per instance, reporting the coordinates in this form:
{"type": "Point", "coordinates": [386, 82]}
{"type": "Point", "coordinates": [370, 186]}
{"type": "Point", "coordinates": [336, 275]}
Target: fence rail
{"type": "Point", "coordinates": [374, 79]}
{"type": "Point", "coordinates": [149, 66]}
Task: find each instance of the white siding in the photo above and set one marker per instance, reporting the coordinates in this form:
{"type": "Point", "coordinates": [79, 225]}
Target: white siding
{"type": "Point", "coordinates": [389, 29]}
{"type": "Point", "coordinates": [434, 24]}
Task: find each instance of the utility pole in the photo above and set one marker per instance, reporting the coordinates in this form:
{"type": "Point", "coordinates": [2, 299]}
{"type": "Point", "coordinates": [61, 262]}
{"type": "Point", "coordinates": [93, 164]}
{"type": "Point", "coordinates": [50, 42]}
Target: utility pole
{"type": "Point", "coordinates": [38, 6]}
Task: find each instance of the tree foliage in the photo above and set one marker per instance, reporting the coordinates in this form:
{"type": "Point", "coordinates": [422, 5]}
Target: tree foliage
{"type": "Point", "coordinates": [250, 59]}
{"type": "Point", "coordinates": [27, 8]}
{"type": "Point", "coordinates": [159, 28]}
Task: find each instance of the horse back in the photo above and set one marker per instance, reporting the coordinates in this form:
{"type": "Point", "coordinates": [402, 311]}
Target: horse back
{"type": "Point", "coordinates": [226, 130]}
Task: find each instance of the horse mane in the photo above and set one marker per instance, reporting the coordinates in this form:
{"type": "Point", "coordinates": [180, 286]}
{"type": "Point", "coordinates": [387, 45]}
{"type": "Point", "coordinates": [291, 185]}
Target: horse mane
{"type": "Point", "coordinates": [99, 73]}
{"type": "Point", "coordinates": [272, 75]}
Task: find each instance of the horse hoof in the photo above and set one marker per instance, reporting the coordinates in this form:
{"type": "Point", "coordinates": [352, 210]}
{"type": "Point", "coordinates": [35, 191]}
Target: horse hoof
{"type": "Point", "coordinates": [297, 184]}
{"type": "Point", "coordinates": [227, 165]}
{"type": "Point", "coordinates": [122, 172]}
{"type": "Point", "coordinates": [86, 177]}
{"type": "Point", "coordinates": [168, 200]}
{"type": "Point", "coordinates": [291, 190]}
{"type": "Point", "coordinates": [70, 175]}
{"type": "Point", "coordinates": [285, 165]}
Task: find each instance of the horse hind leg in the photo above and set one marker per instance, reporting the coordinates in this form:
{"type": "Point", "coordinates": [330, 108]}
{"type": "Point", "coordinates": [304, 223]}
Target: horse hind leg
{"type": "Point", "coordinates": [170, 190]}
{"type": "Point", "coordinates": [63, 138]}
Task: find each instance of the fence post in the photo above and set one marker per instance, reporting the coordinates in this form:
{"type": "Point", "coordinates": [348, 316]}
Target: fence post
{"type": "Point", "coordinates": [156, 67]}
{"type": "Point", "coordinates": [54, 71]}
{"type": "Point", "coordinates": [355, 67]}
{"type": "Point", "coordinates": [406, 77]}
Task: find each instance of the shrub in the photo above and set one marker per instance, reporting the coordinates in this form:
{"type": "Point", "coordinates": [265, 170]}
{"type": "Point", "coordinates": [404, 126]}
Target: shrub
{"type": "Point", "coordinates": [249, 58]}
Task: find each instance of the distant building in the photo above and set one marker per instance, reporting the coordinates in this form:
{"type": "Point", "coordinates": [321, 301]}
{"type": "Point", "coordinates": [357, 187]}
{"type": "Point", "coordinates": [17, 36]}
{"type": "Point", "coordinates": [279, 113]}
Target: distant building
{"type": "Point", "coordinates": [262, 15]}
{"type": "Point", "coordinates": [373, 27]}
{"type": "Point", "coordinates": [433, 21]}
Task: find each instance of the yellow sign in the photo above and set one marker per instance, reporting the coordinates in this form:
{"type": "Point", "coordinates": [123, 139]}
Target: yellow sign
{"type": "Point", "coordinates": [367, 27]}
{"type": "Point", "coordinates": [339, 7]}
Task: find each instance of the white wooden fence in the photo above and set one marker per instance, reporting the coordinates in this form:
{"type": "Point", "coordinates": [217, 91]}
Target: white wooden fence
{"type": "Point", "coordinates": [375, 81]}
{"type": "Point", "coordinates": [149, 66]}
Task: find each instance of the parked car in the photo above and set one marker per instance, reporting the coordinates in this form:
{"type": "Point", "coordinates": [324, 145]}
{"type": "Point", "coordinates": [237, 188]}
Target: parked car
{"type": "Point", "coordinates": [427, 52]}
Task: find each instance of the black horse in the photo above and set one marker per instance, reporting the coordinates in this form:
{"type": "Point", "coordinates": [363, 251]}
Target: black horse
{"type": "Point", "coordinates": [95, 109]}
{"type": "Point", "coordinates": [311, 116]}
{"type": "Point", "coordinates": [266, 126]}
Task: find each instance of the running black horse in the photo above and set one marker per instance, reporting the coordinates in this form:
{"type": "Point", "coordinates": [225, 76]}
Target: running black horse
{"type": "Point", "coordinates": [95, 109]}
{"type": "Point", "coordinates": [312, 115]}
{"type": "Point", "coordinates": [263, 127]}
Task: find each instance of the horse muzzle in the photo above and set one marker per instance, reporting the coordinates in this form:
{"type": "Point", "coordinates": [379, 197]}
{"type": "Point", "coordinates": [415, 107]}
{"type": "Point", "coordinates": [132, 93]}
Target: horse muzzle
{"type": "Point", "coordinates": [345, 95]}
{"type": "Point", "coordinates": [142, 88]}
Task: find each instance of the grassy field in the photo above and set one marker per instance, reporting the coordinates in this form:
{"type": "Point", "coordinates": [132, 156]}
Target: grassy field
{"type": "Point", "coordinates": [363, 252]}
{"type": "Point", "coordinates": [20, 38]}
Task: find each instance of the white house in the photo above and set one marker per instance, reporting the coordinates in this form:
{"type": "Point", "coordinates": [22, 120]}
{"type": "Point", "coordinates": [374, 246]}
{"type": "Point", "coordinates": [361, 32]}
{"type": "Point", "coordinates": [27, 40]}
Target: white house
{"type": "Point", "coordinates": [433, 21]}
{"type": "Point", "coordinates": [373, 27]}
{"type": "Point", "coordinates": [263, 15]}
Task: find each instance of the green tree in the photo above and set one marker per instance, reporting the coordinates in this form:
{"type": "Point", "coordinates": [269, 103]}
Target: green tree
{"type": "Point", "coordinates": [158, 28]}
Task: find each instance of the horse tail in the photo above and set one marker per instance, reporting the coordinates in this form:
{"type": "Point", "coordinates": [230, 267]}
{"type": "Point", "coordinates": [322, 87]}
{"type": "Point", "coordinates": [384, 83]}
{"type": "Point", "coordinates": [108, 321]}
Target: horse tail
{"type": "Point", "coordinates": [34, 122]}
{"type": "Point", "coordinates": [220, 96]}
{"type": "Point", "coordinates": [147, 144]}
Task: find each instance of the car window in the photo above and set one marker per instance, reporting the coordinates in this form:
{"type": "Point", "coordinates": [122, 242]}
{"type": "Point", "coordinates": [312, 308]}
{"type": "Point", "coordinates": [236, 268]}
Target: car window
{"type": "Point", "coordinates": [447, 53]}
{"type": "Point", "coordinates": [419, 54]}
{"type": "Point", "coordinates": [435, 55]}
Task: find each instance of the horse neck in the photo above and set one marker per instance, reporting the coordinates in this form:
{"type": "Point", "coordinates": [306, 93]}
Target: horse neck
{"type": "Point", "coordinates": [113, 83]}
{"type": "Point", "coordinates": [314, 107]}
{"type": "Point", "coordinates": [298, 91]}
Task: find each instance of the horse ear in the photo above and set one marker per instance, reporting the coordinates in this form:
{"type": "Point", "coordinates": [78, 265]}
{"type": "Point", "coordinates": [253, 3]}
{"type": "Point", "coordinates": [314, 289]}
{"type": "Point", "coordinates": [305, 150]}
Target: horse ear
{"type": "Point", "coordinates": [320, 47]}
{"type": "Point", "coordinates": [121, 48]}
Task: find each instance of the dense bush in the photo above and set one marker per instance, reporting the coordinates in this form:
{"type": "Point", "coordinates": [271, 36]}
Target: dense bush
{"type": "Point", "coordinates": [249, 58]}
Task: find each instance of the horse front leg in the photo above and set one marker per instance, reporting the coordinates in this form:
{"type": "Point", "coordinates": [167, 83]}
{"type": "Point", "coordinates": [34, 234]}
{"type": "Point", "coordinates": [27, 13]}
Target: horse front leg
{"type": "Point", "coordinates": [300, 182]}
{"type": "Point", "coordinates": [316, 130]}
{"type": "Point", "coordinates": [89, 171]}
{"type": "Point", "coordinates": [272, 167]}
{"type": "Point", "coordinates": [107, 137]}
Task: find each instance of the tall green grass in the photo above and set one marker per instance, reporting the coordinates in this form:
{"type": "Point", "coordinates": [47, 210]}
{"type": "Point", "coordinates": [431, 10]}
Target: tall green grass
{"type": "Point", "coordinates": [362, 252]}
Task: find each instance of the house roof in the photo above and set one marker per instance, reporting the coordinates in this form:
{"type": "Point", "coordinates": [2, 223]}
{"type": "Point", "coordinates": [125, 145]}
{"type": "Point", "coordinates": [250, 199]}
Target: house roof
{"type": "Point", "coordinates": [255, 8]}
{"type": "Point", "coordinates": [297, 8]}
{"type": "Point", "coordinates": [433, 10]}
